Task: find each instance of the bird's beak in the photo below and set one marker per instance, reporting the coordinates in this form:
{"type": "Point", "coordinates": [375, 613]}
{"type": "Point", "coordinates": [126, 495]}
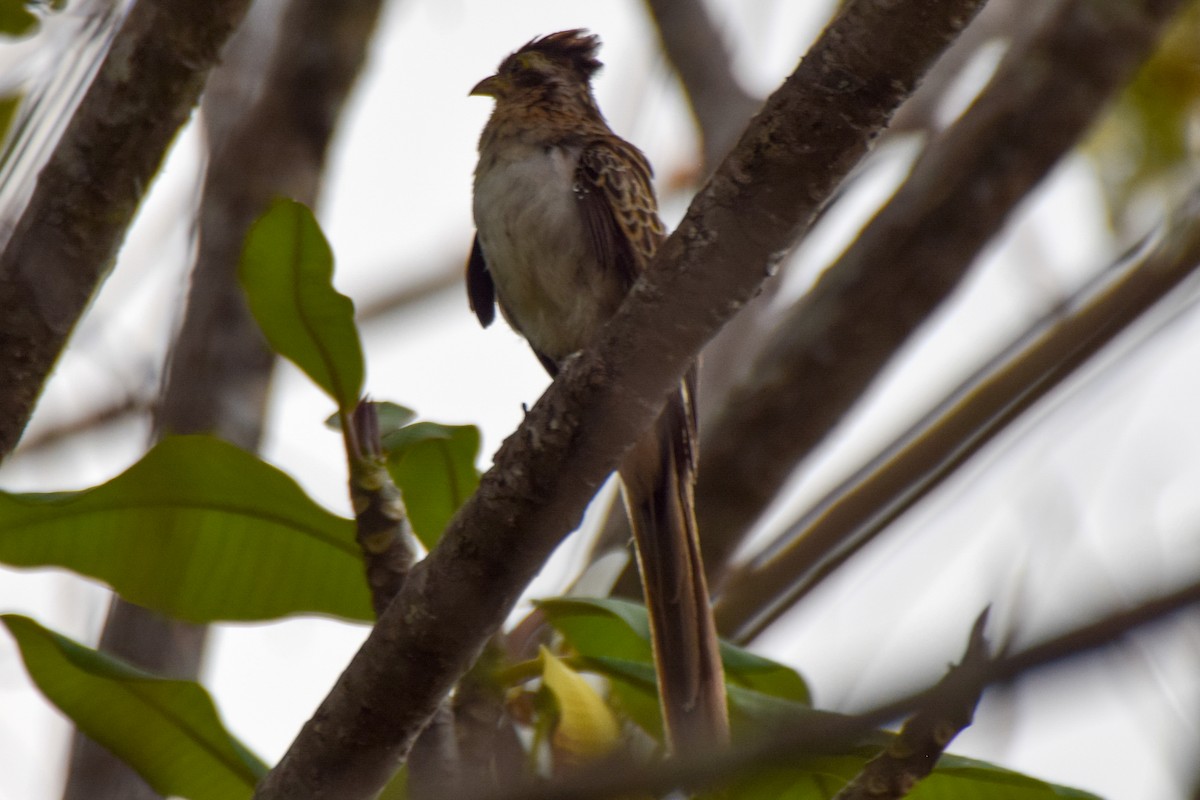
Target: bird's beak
{"type": "Point", "coordinates": [487, 87]}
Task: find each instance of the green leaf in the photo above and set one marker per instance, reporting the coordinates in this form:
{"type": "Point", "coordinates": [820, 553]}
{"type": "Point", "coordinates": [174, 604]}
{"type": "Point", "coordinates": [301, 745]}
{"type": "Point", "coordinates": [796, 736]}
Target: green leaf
{"type": "Point", "coordinates": [434, 467]}
{"type": "Point", "coordinates": [16, 19]}
{"type": "Point", "coordinates": [602, 627]}
{"type": "Point", "coordinates": [635, 685]}
{"type": "Point", "coordinates": [958, 777]}
{"type": "Point", "coordinates": [819, 777]}
{"type": "Point", "coordinates": [608, 627]}
{"type": "Point", "coordinates": [614, 637]}
{"type": "Point", "coordinates": [168, 731]}
{"type": "Point", "coordinates": [200, 530]}
{"type": "Point", "coordinates": [287, 272]}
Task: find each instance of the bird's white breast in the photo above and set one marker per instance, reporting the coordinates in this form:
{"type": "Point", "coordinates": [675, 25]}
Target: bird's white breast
{"type": "Point", "coordinates": [548, 283]}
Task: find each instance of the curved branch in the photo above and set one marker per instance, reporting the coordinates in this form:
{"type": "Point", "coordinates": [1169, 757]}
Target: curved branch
{"type": "Point", "coordinates": [811, 132]}
{"type": "Point", "coordinates": [87, 194]}
{"type": "Point", "coordinates": [833, 343]}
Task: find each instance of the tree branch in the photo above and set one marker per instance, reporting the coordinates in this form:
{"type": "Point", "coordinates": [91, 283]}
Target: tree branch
{"type": "Point", "coordinates": [694, 46]}
{"type": "Point", "coordinates": [808, 136]}
{"type": "Point", "coordinates": [915, 750]}
{"type": "Point", "coordinates": [834, 341]}
{"type": "Point", "coordinates": [851, 515]}
{"type": "Point", "coordinates": [87, 193]}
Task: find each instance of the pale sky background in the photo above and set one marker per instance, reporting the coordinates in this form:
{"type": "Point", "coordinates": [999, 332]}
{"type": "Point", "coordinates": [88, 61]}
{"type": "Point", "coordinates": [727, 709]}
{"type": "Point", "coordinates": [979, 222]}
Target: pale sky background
{"type": "Point", "coordinates": [1090, 502]}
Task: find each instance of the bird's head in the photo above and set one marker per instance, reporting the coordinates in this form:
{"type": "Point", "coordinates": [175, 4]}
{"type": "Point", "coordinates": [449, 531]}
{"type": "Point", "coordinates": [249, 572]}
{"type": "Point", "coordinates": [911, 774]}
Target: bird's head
{"type": "Point", "coordinates": [556, 67]}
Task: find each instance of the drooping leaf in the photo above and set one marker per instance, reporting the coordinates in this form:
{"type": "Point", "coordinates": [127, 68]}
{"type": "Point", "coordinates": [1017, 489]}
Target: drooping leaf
{"type": "Point", "coordinates": [634, 691]}
{"type": "Point", "coordinates": [287, 272]}
{"type": "Point", "coordinates": [586, 728]}
{"type": "Point", "coordinates": [200, 530]}
{"type": "Point", "coordinates": [169, 731]}
{"type": "Point", "coordinates": [434, 466]}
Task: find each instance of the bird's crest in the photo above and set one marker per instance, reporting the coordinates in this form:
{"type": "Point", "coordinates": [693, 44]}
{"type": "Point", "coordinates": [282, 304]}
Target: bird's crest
{"type": "Point", "coordinates": [575, 48]}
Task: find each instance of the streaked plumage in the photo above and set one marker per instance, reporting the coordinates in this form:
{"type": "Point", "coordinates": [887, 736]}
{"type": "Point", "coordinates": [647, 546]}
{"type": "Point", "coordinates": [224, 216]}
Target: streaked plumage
{"type": "Point", "coordinates": [566, 220]}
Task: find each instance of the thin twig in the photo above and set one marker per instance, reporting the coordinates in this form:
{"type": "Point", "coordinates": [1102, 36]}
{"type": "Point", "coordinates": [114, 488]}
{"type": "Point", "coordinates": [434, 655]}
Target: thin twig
{"type": "Point", "coordinates": [382, 527]}
{"type": "Point", "coordinates": [915, 750]}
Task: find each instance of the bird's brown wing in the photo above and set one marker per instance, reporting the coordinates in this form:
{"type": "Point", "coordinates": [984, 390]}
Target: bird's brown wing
{"type": "Point", "coordinates": [620, 215]}
{"type": "Point", "coordinates": [481, 292]}
{"type": "Point", "coordinates": [618, 207]}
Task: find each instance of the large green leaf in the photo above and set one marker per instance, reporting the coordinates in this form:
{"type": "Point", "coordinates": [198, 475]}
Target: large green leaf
{"type": "Point", "coordinates": [200, 530]}
{"type": "Point", "coordinates": [169, 731]}
{"type": "Point", "coordinates": [434, 466]}
{"type": "Point", "coordinates": [287, 271]}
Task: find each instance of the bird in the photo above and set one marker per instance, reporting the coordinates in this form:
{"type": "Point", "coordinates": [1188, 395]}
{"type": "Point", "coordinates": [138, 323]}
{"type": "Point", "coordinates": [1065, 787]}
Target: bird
{"type": "Point", "coordinates": [566, 220]}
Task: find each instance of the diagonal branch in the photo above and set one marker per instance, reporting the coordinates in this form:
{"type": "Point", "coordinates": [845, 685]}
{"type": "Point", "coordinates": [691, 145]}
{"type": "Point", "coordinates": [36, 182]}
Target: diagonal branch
{"type": "Point", "coordinates": [976, 412]}
{"type": "Point", "coordinates": [833, 343]}
{"type": "Point", "coordinates": [87, 194]}
{"type": "Point", "coordinates": [810, 134]}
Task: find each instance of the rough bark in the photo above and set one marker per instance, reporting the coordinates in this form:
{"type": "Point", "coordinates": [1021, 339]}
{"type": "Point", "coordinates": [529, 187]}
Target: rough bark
{"type": "Point", "coordinates": [86, 195]}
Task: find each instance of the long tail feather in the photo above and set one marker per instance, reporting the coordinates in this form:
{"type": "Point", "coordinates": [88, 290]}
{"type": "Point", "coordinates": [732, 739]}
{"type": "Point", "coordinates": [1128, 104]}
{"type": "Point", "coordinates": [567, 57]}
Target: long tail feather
{"type": "Point", "coordinates": [658, 476]}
